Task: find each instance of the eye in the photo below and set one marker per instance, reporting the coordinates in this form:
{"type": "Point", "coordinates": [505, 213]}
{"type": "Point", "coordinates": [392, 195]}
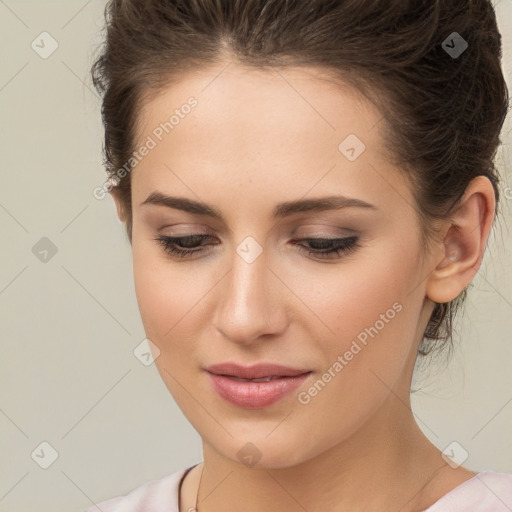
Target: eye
{"type": "Point", "coordinates": [172, 244]}
{"type": "Point", "coordinates": [329, 247]}
{"type": "Point", "coordinates": [185, 246]}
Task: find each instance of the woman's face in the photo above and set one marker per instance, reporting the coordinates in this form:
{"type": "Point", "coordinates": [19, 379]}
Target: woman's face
{"type": "Point", "coordinates": [247, 144]}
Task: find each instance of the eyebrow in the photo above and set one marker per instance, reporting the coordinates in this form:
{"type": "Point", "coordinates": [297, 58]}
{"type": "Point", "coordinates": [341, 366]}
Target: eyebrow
{"type": "Point", "coordinates": [280, 211]}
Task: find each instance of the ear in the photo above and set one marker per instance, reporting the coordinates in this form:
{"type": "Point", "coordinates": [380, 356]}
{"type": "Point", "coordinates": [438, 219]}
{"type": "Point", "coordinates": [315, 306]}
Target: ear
{"type": "Point", "coordinates": [461, 251]}
{"type": "Point", "coordinates": [121, 213]}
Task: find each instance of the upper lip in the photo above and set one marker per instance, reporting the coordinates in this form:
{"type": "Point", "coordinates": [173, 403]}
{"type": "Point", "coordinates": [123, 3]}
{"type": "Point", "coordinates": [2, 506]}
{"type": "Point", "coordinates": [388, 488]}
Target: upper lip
{"type": "Point", "coordinates": [256, 371]}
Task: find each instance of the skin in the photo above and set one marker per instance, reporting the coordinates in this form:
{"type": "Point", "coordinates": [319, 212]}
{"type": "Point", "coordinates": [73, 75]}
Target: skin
{"type": "Point", "coordinates": [254, 141]}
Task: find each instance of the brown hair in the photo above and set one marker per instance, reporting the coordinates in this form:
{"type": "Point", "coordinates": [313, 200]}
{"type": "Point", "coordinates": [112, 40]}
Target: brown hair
{"type": "Point", "coordinates": [443, 113]}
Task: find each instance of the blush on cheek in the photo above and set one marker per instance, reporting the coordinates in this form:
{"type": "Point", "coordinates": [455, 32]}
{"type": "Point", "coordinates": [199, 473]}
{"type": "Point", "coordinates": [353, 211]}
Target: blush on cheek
{"type": "Point", "coordinates": [372, 324]}
{"type": "Point", "coordinates": [170, 302]}
{"type": "Point", "coordinates": [155, 298]}
{"type": "Point", "coordinates": [159, 305]}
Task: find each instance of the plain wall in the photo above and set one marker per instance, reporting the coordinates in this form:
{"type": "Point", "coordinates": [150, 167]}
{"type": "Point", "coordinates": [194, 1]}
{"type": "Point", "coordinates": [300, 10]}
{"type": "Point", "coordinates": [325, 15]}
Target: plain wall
{"type": "Point", "coordinates": [69, 325]}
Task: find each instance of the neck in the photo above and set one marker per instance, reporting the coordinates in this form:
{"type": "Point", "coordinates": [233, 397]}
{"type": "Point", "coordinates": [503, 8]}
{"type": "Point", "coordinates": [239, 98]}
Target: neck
{"type": "Point", "coordinates": [387, 465]}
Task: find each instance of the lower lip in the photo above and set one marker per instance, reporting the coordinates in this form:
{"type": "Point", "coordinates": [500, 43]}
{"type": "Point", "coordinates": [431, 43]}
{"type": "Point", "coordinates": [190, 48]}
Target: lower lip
{"type": "Point", "coordinates": [255, 395]}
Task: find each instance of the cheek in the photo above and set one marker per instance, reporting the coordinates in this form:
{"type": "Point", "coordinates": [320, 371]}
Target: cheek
{"type": "Point", "coordinates": [175, 303]}
{"type": "Point", "coordinates": [353, 295]}
{"type": "Point", "coordinates": [374, 320]}
{"type": "Point", "coordinates": [166, 298]}
{"type": "Point", "coordinates": [371, 316]}
{"type": "Point", "coordinates": [163, 293]}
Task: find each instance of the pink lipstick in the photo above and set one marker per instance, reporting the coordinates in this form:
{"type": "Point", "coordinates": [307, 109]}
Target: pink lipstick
{"type": "Point", "coordinates": [257, 386]}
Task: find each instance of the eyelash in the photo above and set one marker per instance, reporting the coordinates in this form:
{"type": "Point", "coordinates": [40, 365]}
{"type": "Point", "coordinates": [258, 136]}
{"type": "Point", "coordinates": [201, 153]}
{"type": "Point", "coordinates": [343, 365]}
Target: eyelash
{"type": "Point", "coordinates": [342, 245]}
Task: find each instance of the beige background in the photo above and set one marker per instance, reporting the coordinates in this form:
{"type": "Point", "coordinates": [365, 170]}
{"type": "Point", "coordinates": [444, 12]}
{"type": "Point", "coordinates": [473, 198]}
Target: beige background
{"type": "Point", "coordinates": [69, 325]}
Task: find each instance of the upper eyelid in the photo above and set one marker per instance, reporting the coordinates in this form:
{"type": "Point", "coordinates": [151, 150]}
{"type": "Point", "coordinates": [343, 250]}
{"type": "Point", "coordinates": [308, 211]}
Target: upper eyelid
{"type": "Point", "coordinates": [334, 252]}
{"type": "Point", "coordinates": [305, 237]}
{"type": "Point", "coordinates": [159, 218]}
{"type": "Point", "coordinates": [201, 237]}
{"type": "Point", "coordinates": [342, 232]}
{"type": "Point", "coordinates": [204, 236]}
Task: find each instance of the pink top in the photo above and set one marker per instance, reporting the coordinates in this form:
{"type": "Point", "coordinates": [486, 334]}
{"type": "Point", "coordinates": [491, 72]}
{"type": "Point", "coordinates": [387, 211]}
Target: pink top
{"type": "Point", "coordinates": [485, 492]}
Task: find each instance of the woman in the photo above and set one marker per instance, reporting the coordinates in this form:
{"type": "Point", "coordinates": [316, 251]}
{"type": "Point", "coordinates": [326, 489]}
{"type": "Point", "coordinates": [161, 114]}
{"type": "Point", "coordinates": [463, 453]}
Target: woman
{"type": "Point", "coordinates": [308, 188]}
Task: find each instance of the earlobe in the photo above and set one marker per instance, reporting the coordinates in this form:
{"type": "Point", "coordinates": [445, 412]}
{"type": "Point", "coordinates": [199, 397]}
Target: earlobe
{"type": "Point", "coordinates": [461, 251]}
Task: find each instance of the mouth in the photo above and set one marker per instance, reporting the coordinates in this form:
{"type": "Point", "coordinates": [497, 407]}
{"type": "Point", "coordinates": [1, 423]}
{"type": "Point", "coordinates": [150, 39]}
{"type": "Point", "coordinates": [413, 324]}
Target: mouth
{"type": "Point", "coordinates": [255, 387]}
{"type": "Point", "coordinates": [263, 379]}
{"type": "Point", "coordinates": [262, 372]}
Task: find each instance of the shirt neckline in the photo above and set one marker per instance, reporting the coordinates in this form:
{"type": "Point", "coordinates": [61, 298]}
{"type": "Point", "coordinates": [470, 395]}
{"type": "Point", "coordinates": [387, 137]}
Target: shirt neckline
{"type": "Point", "coordinates": [449, 495]}
{"type": "Point", "coordinates": [180, 484]}
{"type": "Point", "coordinates": [454, 492]}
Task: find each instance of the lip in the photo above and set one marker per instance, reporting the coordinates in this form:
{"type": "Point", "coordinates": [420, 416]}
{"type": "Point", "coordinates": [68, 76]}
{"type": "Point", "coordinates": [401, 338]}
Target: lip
{"type": "Point", "coordinates": [255, 395]}
{"type": "Point", "coordinates": [256, 371]}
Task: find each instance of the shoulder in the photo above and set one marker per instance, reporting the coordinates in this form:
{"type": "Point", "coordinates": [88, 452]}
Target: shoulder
{"type": "Point", "coordinates": [487, 491]}
{"type": "Point", "coordinates": [161, 495]}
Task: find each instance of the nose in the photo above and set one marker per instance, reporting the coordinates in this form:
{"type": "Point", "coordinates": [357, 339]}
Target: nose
{"type": "Point", "coordinates": [251, 302]}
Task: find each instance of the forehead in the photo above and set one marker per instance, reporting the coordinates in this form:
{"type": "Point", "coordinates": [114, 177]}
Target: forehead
{"type": "Point", "coordinates": [277, 131]}
{"type": "Point", "coordinates": [289, 100]}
